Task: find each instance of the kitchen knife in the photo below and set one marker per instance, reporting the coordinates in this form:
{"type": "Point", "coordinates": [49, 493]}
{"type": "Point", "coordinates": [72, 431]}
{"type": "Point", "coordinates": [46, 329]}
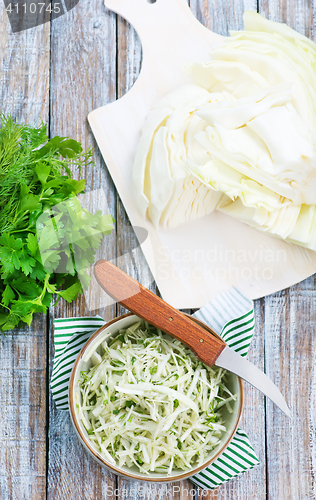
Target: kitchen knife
{"type": "Point", "coordinates": [209, 348]}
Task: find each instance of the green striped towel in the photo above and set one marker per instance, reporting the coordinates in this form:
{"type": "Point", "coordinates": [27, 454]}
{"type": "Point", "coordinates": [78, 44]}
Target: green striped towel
{"type": "Point", "coordinates": [230, 313]}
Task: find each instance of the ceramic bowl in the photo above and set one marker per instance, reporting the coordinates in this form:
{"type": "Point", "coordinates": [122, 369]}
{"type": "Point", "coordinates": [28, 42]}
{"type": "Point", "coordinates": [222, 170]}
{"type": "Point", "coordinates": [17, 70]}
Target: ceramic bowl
{"type": "Point", "coordinates": [83, 362]}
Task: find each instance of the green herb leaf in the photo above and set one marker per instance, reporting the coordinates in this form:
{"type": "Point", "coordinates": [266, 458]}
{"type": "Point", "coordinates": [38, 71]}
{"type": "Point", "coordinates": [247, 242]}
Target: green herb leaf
{"type": "Point", "coordinates": [32, 243]}
{"type": "Point", "coordinates": [48, 240]}
{"type": "Point", "coordinates": [129, 404]}
{"type": "Point", "coordinates": [26, 261]}
{"type": "Point", "coordinates": [7, 295]}
{"type": "Point", "coordinates": [43, 171]}
{"type": "Point", "coordinates": [153, 370]}
{"type": "Point", "coordinates": [71, 293]}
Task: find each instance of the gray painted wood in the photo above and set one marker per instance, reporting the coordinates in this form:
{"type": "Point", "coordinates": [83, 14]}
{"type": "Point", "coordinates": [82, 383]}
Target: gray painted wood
{"type": "Point", "coordinates": [251, 484]}
{"type": "Point", "coordinates": [222, 16]}
{"type": "Point", "coordinates": [83, 76]}
{"type": "Point", "coordinates": [290, 345]}
{"type": "Point", "coordinates": [23, 412]}
{"type": "Point", "coordinates": [24, 71]}
{"type": "Point", "coordinates": [24, 84]}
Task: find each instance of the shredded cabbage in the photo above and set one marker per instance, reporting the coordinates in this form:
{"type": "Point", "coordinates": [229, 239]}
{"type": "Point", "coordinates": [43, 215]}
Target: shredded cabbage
{"type": "Point", "coordinates": [148, 401]}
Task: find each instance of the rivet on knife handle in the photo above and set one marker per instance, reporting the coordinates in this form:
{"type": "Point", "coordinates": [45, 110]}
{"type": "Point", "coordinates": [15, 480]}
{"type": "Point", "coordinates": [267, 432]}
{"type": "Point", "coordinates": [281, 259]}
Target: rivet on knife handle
{"type": "Point", "coordinates": [145, 304]}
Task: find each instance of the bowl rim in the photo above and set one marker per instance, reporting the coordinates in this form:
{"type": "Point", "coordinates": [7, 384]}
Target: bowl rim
{"type": "Point", "coordinates": [99, 458]}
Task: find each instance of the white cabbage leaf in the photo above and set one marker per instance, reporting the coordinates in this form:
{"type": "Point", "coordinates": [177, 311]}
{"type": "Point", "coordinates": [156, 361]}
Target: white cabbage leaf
{"type": "Point", "coordinates": [241, 139]}
{"type": "Point", "coordinates": [165, 189]}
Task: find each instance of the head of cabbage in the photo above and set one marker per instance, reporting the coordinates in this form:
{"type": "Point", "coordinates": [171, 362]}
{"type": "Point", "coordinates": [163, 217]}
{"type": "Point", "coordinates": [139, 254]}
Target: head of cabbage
{"type": "Point", "coordinates": [241, 139]}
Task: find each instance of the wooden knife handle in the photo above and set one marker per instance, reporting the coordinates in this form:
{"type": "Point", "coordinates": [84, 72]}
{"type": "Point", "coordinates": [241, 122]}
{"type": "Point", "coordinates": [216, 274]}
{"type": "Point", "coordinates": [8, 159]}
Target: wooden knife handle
{"type": "Point", "coordinates": [145, 304]}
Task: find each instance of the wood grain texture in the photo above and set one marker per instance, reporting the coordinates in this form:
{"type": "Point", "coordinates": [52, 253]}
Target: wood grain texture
{"type": "Point", "coordinates": [290, 323]}
{"type": "Point", "coordinates": [290, 344]}
{"type": "Point", "coordinates": [83, 76]}
{"type": "Point", "coordinates": [312, 418]}
{"type": "Point", "coordinates": [24, 90]}
{"type": "Point", "coordinates": [220, 16]}
{"type": "Point", "coordinates": [23, 412]}
{"type": "Point", "coordinates": [24, 71]}
{"type": "Point", "coordinates": [298, 14]}
{"type": "Point", "coordinates": [251, 484]}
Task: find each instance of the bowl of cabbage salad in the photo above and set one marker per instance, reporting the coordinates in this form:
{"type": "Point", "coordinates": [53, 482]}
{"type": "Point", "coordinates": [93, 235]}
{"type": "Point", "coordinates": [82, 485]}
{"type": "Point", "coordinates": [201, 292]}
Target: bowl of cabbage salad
{"type": "Point", "coordinates": [146, 407]}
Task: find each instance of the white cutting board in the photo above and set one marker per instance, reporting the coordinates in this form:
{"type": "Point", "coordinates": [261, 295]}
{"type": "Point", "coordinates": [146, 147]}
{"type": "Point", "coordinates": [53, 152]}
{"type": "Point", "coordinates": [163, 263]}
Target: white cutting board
{"type": "Point", "coordinates": [198, 260]}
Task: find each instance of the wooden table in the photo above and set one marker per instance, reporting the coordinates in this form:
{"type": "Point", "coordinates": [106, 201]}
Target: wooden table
{"type": "Point", "coordinates": [60, 71]}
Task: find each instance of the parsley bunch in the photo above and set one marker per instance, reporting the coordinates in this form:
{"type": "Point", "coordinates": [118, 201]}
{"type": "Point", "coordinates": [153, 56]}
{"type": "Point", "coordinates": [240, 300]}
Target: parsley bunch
{"type": "Point", "coordinates": [47, 239]}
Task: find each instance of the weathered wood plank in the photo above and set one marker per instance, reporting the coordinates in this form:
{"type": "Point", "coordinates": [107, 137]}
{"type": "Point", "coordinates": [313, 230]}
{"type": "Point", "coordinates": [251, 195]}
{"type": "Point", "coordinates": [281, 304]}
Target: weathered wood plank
{"type": "Point", "coordinates": [290, 345]}
{"type": "Point", "coordinates": [23, 413]}
{"type": "Point", "coordinates": [220, 16]}
{"type": "Point", "coordinates": [24, 90]}
{"type": "Point", "coordinates": [83, 71]}
{"type": "Point", "coordinates": [251, 484]}
{"type": "Point", "coordinates": [312, 418]}
{"type": "Point", "coordinates": [129, 256]}
{"type": "Point", "coordinates": [137, 490]}
{"type": "Point", "coordinates": [298, 14]}
{"type": "Point", "coordinates": [133, 262]}
{"type": "Point", "coordinates": [24, 71]}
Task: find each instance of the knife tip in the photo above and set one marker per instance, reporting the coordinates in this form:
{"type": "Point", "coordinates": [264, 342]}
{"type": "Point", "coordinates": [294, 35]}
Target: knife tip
{"type": "Point", "coordinates": [287, 412]}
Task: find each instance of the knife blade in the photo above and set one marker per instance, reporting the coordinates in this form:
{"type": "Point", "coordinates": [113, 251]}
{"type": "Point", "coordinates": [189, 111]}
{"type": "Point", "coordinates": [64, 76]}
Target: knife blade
{"type": "Point", "coordinates": [205, 343]}
{"type": "Point", "coordinates": [232, 361]}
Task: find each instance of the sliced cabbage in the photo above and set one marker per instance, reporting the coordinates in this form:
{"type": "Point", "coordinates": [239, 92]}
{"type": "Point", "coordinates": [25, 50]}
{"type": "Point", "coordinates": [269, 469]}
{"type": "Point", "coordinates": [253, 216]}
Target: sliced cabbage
{"type": "Point", "coordinates": [165, 189]}
{"type": "Point", "coordinates": [241, 139]}
{"type": "Point", "coordinates": [148, 401]}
